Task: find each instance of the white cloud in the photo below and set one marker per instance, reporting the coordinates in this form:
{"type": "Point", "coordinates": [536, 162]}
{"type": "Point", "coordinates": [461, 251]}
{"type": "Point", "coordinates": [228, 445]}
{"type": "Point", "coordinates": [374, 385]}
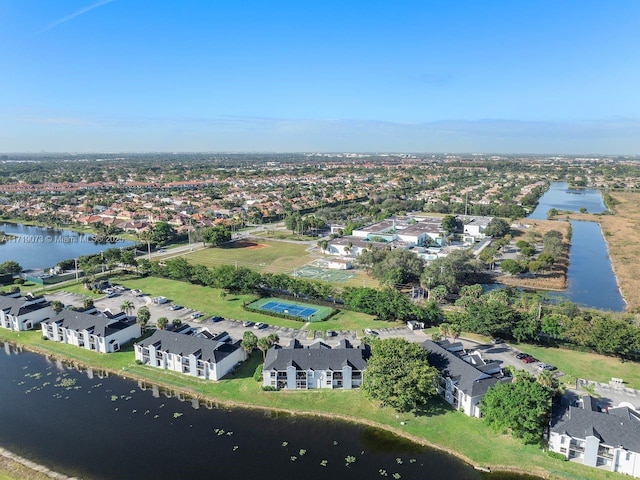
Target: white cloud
{"type": "Point", "coordinates": [75, 14]}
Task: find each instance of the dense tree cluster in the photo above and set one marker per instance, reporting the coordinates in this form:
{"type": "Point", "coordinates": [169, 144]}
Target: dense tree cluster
{"type": "Point", "coordinates": [458, 268]}
{"type": "Point", "coordinates": [391, 267]}
{"type": "Point", "coordinates": [521, 407]}
{"type": "Point", "coordinates": [399, 375]}
{"type": "Point", "coordinates": [10, 266]}
{"type": "Point", "coordinates": [507, 314]}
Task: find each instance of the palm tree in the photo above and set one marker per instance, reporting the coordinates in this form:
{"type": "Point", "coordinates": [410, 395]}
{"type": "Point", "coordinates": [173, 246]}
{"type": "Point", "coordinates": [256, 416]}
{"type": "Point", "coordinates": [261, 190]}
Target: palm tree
{"type": "Point", "coordinates": [128, 307]}
{"type": "Point", "coordinates": [57, 306]}
{"type": "Point", "coordinates": [143, 317]}
{"type": "Point", "coordinates": [445, 329]}
{"type": "Point", "coordinates": [87, 302]}
{"type": "Point", "coordinates": [264, 344]}
{"type": "Point", "coordinates": [455, 330]}
{"type": "Point", "coordinates": [145, 237]}
{"type": "Point", "coordinates": [162, 323]}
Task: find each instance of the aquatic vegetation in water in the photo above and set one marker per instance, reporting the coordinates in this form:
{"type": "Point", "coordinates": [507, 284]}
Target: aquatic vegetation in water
{"type": "Point", "coordinates": [293, 458]}
{"type": "Point", "coordinates": [177, 415]}
{"type": "Point", "coordinates": [413, 460]}
{"type": "Point", "coordinates": [114, 398]}
{"type": "Point", "coordinates": [349, 459]}
{"type": "Point", "coordinates": [399, 461]}
{"type": "Point", "coordinates": [335, 442]}
{"type": "Point", "coordinates": [235, 447]}
{"type": "Point", "coordinates": [324, 463]}
{"type": "Point", "coordinates": [284, 444]}
{"type": "Point", "coordinates": [302, 452]}
{"type": "Point", "coordinates": [383, 472]}
{"type": "Point", "coordinates": [396, 475]}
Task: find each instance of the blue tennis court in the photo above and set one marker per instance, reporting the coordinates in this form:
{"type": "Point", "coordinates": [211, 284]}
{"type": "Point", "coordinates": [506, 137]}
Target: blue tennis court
{"type": "Point", "coordinates": [289, 309]}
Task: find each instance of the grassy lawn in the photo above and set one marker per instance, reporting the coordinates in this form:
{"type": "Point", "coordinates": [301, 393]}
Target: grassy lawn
{"type": "Point", "coordinates": [263, 256]}
{"type": "Point", "coordinates": [439, 424]}
{"type": "Point", "coordinates": [208, 301]}
{"type": "Point", "coordinates": [586, 365]}
{"type": "Point", "coordinates": [347, 320]}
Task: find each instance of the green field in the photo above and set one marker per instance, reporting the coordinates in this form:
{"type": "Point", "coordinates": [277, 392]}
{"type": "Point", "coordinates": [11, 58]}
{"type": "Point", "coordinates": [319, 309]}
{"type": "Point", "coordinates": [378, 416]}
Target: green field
{"type": "Point", "coordinates": [264, 256]}
{"type": "Point", "coordinates": [590, 366]}
{"type": "Point", "coordinates": [439, 424]}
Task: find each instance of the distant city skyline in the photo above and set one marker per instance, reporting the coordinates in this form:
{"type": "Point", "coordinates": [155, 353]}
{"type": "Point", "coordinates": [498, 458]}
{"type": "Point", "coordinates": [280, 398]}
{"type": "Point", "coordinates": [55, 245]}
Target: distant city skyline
{"type": "Point", "coordinates": [326, 76]}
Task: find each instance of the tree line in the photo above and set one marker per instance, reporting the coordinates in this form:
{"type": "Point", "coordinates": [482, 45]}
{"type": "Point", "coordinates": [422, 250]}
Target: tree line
{"type": "Point", "coordinates": [386, 304]}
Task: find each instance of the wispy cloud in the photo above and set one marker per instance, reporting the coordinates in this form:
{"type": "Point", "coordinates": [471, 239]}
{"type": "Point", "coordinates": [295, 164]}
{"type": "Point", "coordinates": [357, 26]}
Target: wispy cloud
{"type": "Point", "coordinates": [75, 14]}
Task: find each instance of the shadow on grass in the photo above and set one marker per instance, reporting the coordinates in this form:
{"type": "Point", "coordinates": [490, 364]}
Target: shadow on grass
{"type": "Point", "coordinates": [246, 368]}
{"type": "Point", "coordinates": [435, 406]}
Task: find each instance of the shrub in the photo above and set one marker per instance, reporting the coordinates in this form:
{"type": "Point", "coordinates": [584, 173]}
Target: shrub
{"type": "Point", "coordinates": [269, 388]}
{"type": "Point", "coordinates": [257, 375]}
{"type": "Point", "coordinates": [556, 455]}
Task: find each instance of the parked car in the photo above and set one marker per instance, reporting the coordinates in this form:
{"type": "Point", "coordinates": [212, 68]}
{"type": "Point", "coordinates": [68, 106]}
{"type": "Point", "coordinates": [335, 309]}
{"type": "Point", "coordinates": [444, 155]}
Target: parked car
{"type": "Point", "coordinates": [195, 315]}
{"type": "Point", "coordinates": [175, 307]}
{"type": "Point", "coordinates": [496, 340]}
{"type": "Point", "coordinates": [247, 323]}
{"type": "Point", "coordinates": [331, 333]}
{"type": "Point", "coordinates": [215, 319]}
{"type": "Point", "coordinates": [521, 355]}
{"type": "Point", "coordinates": [546, 366]}
{"type": "Point", "coordinates": [260, 326]}
{"type": "Point", "coordinates": [368, 331]}
{"type": "Point", "coordinates": [529, 359]}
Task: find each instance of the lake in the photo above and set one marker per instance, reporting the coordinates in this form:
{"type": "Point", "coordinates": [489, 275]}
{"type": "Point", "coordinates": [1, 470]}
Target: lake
{"type": "Point", "coordinates": [561, 197]}
{"type": "Point", "coordinates": [590, 278]}
{"type": "Point", "coordinates": [38, 247]}
{"type": "Point", "coordinates": [83, 425]}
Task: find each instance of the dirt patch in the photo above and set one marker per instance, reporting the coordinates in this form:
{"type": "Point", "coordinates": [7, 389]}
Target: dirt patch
{"type": "Point", "coordinates": [248, 244]}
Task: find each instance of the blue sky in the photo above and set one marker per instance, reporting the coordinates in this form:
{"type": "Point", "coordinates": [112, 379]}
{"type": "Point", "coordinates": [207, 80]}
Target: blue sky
{"type": "Point", "coordinates": [307, 75]}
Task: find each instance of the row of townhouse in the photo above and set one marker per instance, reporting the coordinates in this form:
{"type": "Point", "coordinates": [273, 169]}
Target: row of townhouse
{"type": "Point", "coordinates": [316, 366]}
{"type": "Point", "coordinates": [607, 439]}
{"type": "Point", "coordinates": [464, 378]}
{"type": "Point", "coordinates": [91, 329]}
{"type": "Point", "coordinates": [21, 313]}
{"type": "Point", "coordinates": [197, 353]}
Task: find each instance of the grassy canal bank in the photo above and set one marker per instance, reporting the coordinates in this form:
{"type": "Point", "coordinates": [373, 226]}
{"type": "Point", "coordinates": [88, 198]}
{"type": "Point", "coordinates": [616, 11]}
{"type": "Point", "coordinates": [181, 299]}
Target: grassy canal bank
{"type": "Point", "coordinates": [438, 426]}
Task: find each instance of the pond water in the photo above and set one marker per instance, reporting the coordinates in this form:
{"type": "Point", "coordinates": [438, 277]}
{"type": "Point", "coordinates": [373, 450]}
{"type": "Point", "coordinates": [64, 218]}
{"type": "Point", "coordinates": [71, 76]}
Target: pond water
{"type": "Point", "coordinates": [561, 197]}
{"type": "Point", "coordinates": [590, 278]}
{"type": "Point", "coordinates": [81, 424]}
{"type": "Point", "coordinates": [38, 247]}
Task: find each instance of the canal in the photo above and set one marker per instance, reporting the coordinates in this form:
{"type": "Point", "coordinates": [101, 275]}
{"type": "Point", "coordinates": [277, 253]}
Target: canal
{"type": "Point", "coordinates": [590, 278]}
